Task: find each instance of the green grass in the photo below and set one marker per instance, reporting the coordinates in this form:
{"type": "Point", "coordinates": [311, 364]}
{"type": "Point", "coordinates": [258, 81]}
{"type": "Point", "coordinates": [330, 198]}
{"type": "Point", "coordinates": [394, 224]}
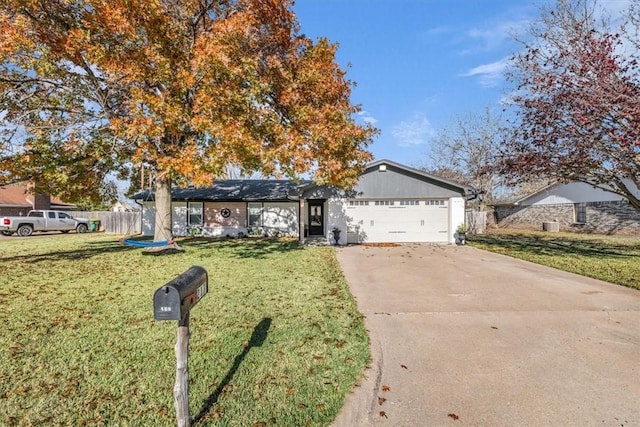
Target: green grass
{"type": "Point", "coordinates": [609, 258]}
{"type": "Point", "coordinates": [277, 340]}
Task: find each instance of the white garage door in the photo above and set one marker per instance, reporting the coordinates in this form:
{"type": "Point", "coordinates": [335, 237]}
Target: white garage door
{"type": "Point", "coordinates": [378, 221]}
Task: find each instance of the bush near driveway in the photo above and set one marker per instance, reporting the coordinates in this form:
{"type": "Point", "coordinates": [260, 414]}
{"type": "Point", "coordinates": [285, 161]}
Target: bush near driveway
{"type": "Point", "coordinates": [610, 258]}
{"type": "Point", "coordinates": [277, 340]}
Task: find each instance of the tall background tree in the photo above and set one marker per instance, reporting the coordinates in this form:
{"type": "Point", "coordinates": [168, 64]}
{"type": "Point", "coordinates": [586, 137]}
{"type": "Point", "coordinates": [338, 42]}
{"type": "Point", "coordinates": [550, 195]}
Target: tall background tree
{"type": "Point", "coordinates": [186, 88]}
{"type": "Point", "coordinates": [578, 99]}
{"type": "Point", "coordinates": [465, 152]}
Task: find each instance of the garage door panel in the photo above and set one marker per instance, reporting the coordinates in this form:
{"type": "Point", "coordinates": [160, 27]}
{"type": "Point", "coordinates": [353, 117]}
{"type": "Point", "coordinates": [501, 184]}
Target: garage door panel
{"type": "Point", "coordinates": [395, 223]}
{"type": "Point", "coordinates": [377, 235]}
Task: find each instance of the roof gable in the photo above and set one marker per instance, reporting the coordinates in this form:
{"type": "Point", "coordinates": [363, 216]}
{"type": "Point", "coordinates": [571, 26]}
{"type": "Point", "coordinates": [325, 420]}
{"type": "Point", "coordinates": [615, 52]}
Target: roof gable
{"type": "Point", "coordinates": [560, 193]}
{"type": "Point", "coordinates": [387, 179]}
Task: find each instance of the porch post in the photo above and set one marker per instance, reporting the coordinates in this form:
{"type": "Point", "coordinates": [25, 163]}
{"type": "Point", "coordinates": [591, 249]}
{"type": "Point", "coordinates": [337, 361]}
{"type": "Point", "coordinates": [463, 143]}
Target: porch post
{"type": "Point", "coordinates": [301, 221]}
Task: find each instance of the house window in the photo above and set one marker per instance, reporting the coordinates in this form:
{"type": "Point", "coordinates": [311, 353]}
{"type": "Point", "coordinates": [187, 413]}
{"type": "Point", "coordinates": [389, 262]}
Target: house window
{"type": "Point", "coordinates": [255, 214]}
{"type": "Point", "coordinates": [195, 213]}
{"type": "Point", "coordinates": [581, 212]}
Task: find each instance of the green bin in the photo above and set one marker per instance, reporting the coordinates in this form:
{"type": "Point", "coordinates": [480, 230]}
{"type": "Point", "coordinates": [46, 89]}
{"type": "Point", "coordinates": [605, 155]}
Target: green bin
{"type": "Point", "coordinates": [94, 225]}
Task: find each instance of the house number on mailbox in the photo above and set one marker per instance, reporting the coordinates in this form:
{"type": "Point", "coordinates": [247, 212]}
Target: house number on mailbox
{"type": "Point", "coordinates": [201, 291]}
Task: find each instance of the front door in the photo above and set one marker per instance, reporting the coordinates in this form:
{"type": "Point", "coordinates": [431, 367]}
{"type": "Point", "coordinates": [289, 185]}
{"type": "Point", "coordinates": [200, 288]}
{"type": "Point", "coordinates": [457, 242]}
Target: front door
{"type": "Point", "coordinates": [316, 218]}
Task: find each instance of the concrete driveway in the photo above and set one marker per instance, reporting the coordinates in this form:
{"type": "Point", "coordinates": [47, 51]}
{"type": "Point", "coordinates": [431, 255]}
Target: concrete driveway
{"type": "Point", "coordinates": [466, 337]}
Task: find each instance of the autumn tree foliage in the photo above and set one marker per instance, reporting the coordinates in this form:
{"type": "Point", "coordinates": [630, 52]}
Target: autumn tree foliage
{"type": "Point", "coordinates": [186, 88]}
{"type": "Point", "coordinates": [578, 99]}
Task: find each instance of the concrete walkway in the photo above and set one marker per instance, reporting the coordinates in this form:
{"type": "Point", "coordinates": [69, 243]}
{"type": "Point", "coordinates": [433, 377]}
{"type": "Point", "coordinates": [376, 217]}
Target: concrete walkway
{"type": "Point", "coordinates": [465, 337]}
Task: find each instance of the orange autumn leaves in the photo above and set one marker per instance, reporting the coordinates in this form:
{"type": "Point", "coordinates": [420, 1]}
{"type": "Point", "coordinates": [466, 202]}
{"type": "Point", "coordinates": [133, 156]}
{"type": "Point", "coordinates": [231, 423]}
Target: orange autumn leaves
{"type": "Point", "coordinates": [190, 87]}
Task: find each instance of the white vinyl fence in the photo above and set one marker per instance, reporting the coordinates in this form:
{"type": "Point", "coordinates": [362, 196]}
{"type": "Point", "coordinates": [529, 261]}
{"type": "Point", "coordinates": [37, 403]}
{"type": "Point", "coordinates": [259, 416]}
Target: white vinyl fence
{"type": "Point", "coordinates": [476, 221]}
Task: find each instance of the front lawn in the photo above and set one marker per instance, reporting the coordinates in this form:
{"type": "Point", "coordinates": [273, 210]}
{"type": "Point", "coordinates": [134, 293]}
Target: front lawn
{"type": "Point", "coordinates": [277, 340]}
{"type": "Point", "coordinates": [613, 259]}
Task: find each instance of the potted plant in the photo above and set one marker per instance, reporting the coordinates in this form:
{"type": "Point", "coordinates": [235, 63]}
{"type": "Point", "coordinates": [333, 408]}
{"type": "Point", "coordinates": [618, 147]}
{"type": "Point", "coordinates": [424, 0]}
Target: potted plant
{"type": "Point", "coordinates": [461, 232]}
{"type": "Point", "coordinates": [336, 234]}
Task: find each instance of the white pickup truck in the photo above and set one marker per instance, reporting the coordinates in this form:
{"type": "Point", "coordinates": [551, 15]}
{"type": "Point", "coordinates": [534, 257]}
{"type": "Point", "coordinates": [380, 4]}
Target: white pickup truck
{"type": "Point", "coordinates": [42, 220]}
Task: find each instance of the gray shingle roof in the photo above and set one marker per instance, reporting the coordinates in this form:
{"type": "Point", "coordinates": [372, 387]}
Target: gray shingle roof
{"type": "Point", "coordinates": [235, 190]}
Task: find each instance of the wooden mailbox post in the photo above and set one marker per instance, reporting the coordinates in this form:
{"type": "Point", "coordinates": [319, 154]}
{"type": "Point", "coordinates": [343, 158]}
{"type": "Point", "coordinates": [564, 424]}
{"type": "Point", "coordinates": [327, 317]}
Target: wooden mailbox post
{"type": "Point", "coordinates": [174, 301]}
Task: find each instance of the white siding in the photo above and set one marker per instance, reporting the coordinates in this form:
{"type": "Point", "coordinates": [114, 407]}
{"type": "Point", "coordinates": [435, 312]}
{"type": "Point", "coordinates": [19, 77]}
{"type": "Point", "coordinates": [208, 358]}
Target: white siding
{"type": "Point", "coordinates": [281, 218]}
{"type": "Point", "coordinates": [148, 218]}
{"type": "Point", "coordinates": [337, 218]}
{"type": "Point", "coordinates": [457, 216]}
{"type": "Point", "coordinates": [179, 218]}
{"type": "Point", "coordinates": [223, 231]}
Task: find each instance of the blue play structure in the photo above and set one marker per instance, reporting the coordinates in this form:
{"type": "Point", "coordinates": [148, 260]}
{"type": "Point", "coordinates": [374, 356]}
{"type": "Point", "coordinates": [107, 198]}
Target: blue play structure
{"type": "Point", "coordinates": [144, 244]}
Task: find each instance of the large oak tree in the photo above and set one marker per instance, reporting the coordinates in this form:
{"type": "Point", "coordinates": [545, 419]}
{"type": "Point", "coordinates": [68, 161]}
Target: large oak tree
{"type": "Point", "coordinates": [186, 88]}
{"type": "Point", "coordinates": [578, 94]}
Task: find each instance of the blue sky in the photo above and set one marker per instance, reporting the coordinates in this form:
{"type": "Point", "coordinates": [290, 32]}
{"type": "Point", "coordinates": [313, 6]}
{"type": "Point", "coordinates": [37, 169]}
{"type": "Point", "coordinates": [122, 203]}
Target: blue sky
{"type": "Point", "coordinates": [420, 63]}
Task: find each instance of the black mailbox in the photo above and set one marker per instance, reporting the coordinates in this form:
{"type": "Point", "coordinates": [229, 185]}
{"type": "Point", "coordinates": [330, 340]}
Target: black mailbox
{"type": "Point", "coordinates": [173, 300]}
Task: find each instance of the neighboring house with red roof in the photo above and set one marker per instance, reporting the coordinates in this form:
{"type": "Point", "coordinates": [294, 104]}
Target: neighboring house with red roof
{"type": "Point", "coordinates": [16, 200]}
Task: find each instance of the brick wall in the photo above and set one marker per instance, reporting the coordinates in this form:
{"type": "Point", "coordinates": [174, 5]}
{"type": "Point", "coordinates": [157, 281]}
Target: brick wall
{"type": "Point", "coordinates": [602, 217]}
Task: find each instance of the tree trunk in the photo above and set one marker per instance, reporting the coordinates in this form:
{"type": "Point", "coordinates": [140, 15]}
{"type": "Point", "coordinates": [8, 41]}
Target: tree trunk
{"type": "Point", "coordinates": [626, 191]}
{"type": "Point", "coordinates": [163, 209]}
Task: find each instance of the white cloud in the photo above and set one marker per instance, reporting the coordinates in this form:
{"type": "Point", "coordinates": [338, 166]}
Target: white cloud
{"type": "Point", "coordinates": [367, 118]}
{"type": "Point", "coordinates": [490, 37]}
{"type": "Point", "coordinates": [414, 132]}
{"type": "Point", "coordinates": [495, 35]}
{"type": "Point", "coordinates": [489, 74]}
